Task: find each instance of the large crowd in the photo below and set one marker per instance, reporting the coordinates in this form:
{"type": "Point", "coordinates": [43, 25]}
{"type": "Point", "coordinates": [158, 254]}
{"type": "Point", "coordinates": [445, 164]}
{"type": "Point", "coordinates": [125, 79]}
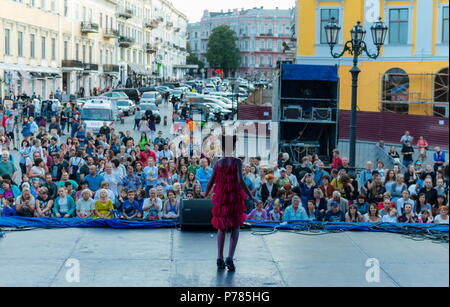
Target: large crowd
{"type": "Point", "coordinates": [113, 175]}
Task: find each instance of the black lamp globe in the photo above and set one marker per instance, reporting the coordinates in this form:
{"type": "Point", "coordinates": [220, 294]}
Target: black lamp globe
{"type": "Point", "coordinates": [358, 33]}
{"type": "Point", "coordinates": [332, 32]}
{"type": "Point", "coordinates": [379, 32]}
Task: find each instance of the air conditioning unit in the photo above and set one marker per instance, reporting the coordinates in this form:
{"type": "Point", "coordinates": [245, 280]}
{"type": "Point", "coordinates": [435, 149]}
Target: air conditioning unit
{"type": "Point", "coordinates": [322, 114]}
{"type": "Point", "coordinates": [292, 112]}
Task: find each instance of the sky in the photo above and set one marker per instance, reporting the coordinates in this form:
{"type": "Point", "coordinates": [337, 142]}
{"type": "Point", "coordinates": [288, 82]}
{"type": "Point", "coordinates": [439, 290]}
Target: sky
{"type": "Point", "coordinates": [194, 8]}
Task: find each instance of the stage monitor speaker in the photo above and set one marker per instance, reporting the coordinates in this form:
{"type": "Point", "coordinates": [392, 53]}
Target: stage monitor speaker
{"type": "Point", "coordinates": [322, 114]}
{"type": "Point", "coordinates": [292, 113]}
{"type": "Point", "coordinates": [196, 214]}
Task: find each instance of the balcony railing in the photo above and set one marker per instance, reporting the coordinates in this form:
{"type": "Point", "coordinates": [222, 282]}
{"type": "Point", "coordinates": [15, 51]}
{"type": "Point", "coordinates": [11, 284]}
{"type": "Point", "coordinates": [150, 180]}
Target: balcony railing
{"type": "Point", "coordinates": [125, 42]}
{"type": "Point", "coordinates": [124, 13]}
{"type": "Point", "coordinates": [151, 24]}
{"type": "Point", "coordinates": [72, 64]}
{"type": "Point", "coordinates": [150, 48]}
{"type": "Point", "coordinates": [90, 66]}
{"type": "Point", "coordinates": [111, 68]}
{"type": "Point", "coordinates": [111, 33]}
{"type": "Point", "coordinates": [89, 27]}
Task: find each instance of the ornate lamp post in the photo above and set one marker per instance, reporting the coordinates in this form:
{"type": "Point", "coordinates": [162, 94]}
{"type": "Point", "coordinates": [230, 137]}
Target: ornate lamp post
{"type": "Point", "coordinates": [356, 47]}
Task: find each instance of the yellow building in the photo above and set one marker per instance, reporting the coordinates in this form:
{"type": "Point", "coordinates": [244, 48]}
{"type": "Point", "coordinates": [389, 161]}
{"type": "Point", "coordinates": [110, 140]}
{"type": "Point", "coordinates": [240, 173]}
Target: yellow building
{"type": "Point", "coordinates": [411, 74]}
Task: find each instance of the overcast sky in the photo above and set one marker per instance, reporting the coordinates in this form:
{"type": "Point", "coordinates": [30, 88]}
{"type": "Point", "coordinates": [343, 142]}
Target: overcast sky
{"type": "Point", "coordinates": [194, 8]}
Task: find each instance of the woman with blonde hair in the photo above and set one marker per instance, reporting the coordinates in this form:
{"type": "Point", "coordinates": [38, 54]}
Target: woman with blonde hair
{"type": "Point", "coordinates": [85, 206]}
{"type": "Point", "coordinates": [104, 206]}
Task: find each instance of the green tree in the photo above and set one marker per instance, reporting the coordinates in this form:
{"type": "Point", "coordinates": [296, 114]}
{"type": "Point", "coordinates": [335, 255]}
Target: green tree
{"type": "Point", "coordinates": [192, 58]}
{"type": "Point", "coordinates": [223, 52]}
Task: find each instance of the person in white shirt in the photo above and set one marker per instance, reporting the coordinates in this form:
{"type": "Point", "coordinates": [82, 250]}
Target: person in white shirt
{"type": "Point", "coordinates": [442, 218]}
{"type": "Point", "coordinates": [165, 153]}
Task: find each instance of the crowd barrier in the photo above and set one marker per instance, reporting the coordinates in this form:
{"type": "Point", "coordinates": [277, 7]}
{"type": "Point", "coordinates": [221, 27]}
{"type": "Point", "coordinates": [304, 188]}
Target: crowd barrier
{"type": "Point", "coordinates": [51, 223]}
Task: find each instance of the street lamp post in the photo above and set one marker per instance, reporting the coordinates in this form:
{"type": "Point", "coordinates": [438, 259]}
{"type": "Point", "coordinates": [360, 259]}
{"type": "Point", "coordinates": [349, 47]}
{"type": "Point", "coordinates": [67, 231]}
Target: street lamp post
{"type": "Point", "coordinates": [356, 47]}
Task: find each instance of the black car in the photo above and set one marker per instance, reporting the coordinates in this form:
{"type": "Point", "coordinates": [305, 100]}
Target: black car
{"type": "Point", "coordinates": [143, 90]}
{"type": "Point", "coordinates": [132, 93]}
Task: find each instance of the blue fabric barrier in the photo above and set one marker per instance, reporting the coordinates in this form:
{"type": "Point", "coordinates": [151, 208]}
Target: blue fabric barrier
{"type": "Point", "coordinates": [22, 222]}
{"type": "Point", "coordinates": [375, 227]}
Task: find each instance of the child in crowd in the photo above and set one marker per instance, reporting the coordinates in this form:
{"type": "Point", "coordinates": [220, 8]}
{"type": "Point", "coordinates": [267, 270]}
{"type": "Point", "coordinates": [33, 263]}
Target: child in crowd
{"type": "Point", "coordinates": [130, 207]}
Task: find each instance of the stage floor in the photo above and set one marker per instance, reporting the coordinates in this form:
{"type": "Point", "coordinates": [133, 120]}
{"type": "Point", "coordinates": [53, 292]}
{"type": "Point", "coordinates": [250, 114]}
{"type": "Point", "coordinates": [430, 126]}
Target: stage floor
{"type": "Point", "coordinates": [169, 257]}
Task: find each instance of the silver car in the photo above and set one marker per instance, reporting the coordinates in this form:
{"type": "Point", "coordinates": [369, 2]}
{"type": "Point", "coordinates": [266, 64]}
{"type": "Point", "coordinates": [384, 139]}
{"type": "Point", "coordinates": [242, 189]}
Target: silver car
{"type": "Point", "coordinates": [151, 97]}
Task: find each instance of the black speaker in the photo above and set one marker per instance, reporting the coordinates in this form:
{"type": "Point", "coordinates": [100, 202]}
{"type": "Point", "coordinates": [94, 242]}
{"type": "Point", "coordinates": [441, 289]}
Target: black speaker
{"type": "Point", "coordinates": [292, 113]}
{"type": "Point", "coordinates": [196, 214]}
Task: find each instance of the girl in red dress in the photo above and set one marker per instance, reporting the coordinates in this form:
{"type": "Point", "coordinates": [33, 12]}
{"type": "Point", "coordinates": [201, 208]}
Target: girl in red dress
{"type": "Point", "coordinates": [229, 206]}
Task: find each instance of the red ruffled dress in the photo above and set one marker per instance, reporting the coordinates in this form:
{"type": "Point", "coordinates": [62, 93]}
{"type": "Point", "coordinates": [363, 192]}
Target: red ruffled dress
{"type": "Point", "coordinates": [229, 197]}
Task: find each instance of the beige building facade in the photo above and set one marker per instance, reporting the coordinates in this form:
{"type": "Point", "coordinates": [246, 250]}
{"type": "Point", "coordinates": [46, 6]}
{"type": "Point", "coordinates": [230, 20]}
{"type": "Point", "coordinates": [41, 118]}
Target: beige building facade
{"type": "Point", "coordinates": [81, 46]}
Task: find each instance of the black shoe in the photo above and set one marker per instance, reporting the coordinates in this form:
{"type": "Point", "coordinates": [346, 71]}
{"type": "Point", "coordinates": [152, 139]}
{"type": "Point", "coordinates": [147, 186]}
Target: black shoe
{"type": "Point", "coordinates": [220, 265]}
{"type": "Point", "coordinates": [230, 264]}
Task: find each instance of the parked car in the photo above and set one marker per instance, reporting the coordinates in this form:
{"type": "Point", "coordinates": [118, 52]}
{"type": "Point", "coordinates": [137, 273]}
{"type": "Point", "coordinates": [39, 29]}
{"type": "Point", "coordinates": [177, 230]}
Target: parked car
{"type": "Point", "coordinates": [132, 93]}
{"type": "Point", "coordinates": [151, 97]}
{"type": "Point", "coordinates": [176, 93]}
{"type": "Point", "coordinates": [115, 95]}
{"type": "Point", "coordinates": [127, 106]}
{"type": "Point", "coordinates": [154, 108]}
{"type": "Point", "coordinates": [143, 90]}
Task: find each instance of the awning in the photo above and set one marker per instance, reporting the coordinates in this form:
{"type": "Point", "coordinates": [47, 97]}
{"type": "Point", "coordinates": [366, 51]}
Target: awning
{"type": "Point", "coordinates": [25, 74]}
{"type": "Point", "coordinates": [139, 70]}
{"type": "Point", "coordinates": [296, 72]}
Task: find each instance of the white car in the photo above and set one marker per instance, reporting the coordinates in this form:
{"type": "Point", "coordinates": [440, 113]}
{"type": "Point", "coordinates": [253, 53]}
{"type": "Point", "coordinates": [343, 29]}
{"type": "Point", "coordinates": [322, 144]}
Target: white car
{"type": "Point", "coordinates": [127, 106]}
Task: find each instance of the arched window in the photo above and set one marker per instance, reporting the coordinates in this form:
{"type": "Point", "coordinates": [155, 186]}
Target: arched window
{"type": "Point", "coordinates": [441, 93]}
{"type": "Point", "coordinates": [395, 91]}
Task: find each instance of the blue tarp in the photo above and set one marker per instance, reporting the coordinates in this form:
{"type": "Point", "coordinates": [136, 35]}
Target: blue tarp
{"type": "Point", "coordinates": [377, 227]}
{"type": "Point", "coordinates": [21, 222]}
{"type": "Point", "coordinates": [296, 72]}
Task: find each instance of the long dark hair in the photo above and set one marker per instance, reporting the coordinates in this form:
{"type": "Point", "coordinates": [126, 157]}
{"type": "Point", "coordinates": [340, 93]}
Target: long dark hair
{"type": "Point", "coordinates": [227, 138]}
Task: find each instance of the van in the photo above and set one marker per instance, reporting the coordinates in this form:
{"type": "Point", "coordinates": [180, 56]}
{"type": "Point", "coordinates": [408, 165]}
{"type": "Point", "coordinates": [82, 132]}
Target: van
{"type": "Point", "coordinates": [97, 111]}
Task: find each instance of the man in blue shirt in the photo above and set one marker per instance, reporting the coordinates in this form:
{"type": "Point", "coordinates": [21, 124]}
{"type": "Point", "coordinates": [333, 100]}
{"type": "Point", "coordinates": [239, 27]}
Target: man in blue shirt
{"type": "Point", "coordinates": [150, 175]}
{"type": "Point", "coordinates": [93, 179]}
{"type": "Point", "coordinates": [439, 158]}
{"type": "Point", "coordinates": [335, 214]}
{"type": "Point", "coordinates": [204, 174]}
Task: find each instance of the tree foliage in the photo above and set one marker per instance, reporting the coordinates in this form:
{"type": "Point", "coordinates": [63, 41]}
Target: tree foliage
{"type": "Point", "coordinates": [223, 51]}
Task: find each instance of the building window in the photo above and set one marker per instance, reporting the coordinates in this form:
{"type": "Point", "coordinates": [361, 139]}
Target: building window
{"type": "Point", "coordinates": [395, 91]}
{"type": "Point", "coordinates": [66, 50]}
{"type": "Point", "coordinates": [84, 53]}
{"type": "Point", "coordinates": [445, 25]}
{"type": "Point", "coordinates": [53, 49]}
{"type": "Point", "coordinates": [325, 18]}
{"type": "Point", "coordinates": [101, 20]}
{"type": "Point", "coordinates": [77, 52]}
{"type": "Point", "coordinates": [43, 47]}
{"type": "Point", "coordinates": [7, 41]}
{"type": "Point", "coordinates": [398, 26]}
{"type": "Point", "coordinates": [90, 54]}
{"type": "Point", "coordinates": [66, 8]}
{"type": "Point", "coordinates": [441, 93]}
{"type": "Point", "coordinates": [101, 56]}
{"type": "Point", "coordinates": [32, 45]}
{"type": "Point", "coordinates": [53, 5]}
{"type": "Point", "coordinates": [43, 4]}
{"type": "Point", "coordinates": [20, 44]}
